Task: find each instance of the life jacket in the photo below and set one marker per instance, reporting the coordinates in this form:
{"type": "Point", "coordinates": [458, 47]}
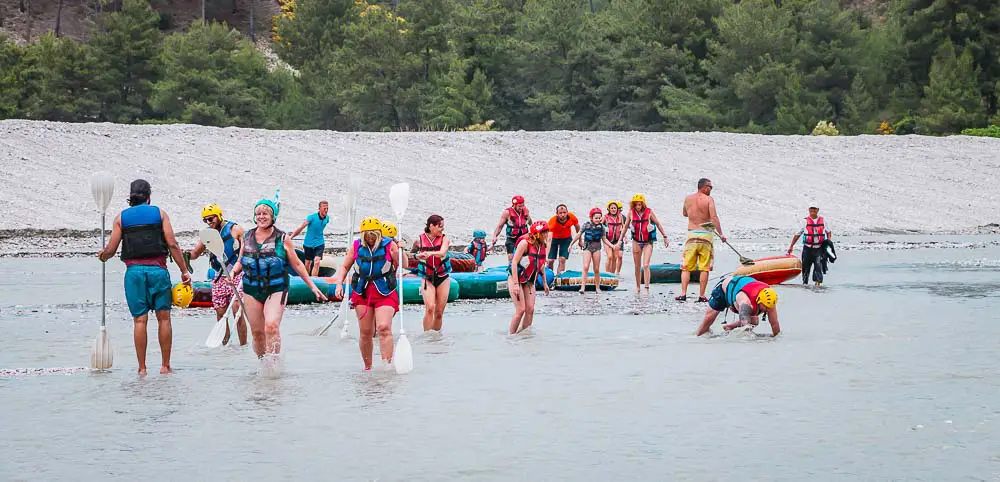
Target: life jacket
{"type": "Point", "coordinates": [815, 232]}
{"type": "Point", "coordinates": [594, 233]}
{"type": "Point", "coordinates": [616, 226]}
{"type": "Point", "coordinates": [142, 233]}
{"type": "Point", "coordinates": [747, 285]}
{"type": "Point", "coordinates": [231, 250]}
{"type": "Point", "coordinates": [373, 266]}
{"type": "Point", "coordinates": [477, 248]}
{"type": "Point", "coordinates": [265, 265]}
{"type": "Point", "coordinates": [433, 267]}
{"type": "Point", "coordinates": [640, 226]}
{"type": "Point", "coordinates": [517, 223]}
{"type": "Point", "coordinates": [532, 263]}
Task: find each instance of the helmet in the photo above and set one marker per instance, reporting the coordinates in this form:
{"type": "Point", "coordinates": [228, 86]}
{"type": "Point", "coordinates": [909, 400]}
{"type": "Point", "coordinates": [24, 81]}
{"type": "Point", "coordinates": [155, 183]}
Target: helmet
{"type": "Point", "coordinates": [181, 295]}
{"type": "Point", "coordinates": [767, 297]}
{"type": "Point", "coordinates": [211, 210]}
{"type": "Point", "coordinates": [539, 227]}
{"type": "Point", "coordinates": [616, 203]}
{"type": "Point", "coordinates": [269, 203]}
{"type": "Point", "coordinates": [517, 200]}
{"type": "Point", "coordinates": [595, 211]}
{"type": "Point", "coordinates": [389, 230]}
{"type": "Point", "coordinates": [639, 198]}
{"type": "Point", "coordinates": [370, 224]}
{"type": "Point", "coordinates": [479, 233]}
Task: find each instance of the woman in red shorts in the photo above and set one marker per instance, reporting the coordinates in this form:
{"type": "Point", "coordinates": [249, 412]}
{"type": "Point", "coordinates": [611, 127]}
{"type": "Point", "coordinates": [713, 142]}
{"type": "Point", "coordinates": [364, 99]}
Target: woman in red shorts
{"type": "Point", "coordinates": [374, 294]}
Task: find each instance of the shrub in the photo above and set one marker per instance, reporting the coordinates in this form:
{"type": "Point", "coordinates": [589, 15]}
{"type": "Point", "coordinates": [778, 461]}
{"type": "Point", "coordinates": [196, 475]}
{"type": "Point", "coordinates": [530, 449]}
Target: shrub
{"type": "Point", "coordinates": [991, 131]}
{"type": "Point", "coordinates": [824, 128]}
{"type": "Point", "coordinates": [885, 129]}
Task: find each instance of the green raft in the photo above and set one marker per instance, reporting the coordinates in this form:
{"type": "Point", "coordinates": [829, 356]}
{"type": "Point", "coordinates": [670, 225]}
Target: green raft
{"type": "Point", "coordinates": [668, 273]}
{"type": "Point", "coordinates": [411, 290]}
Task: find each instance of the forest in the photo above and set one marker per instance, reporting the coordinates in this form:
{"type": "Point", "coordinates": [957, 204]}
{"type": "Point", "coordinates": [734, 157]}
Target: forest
{"type": "Point", "coordinates": [927, 67]}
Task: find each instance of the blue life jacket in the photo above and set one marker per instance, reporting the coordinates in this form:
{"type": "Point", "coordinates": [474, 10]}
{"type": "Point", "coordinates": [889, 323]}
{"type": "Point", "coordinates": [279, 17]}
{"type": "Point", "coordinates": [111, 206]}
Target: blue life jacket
{"type": "Point", "coordinates": [265, 264]}
{"type": "Point", "coordinates": [477, 248]}
{"type": "Point", "coordinates": [736, 284]}
{"type": "Point", "coordinates": [373, 266]}
{"type": "Point", "coordinates": [230, 249]}
{"type": "Point", "coordinates": [142, 232]}
{"type": "Point", "coordinates": [594, 233]}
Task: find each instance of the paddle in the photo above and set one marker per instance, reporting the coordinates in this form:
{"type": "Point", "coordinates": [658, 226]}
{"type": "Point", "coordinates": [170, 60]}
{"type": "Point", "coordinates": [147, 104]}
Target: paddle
{"type": "Point", "coordinates": [399, 196]}
{"type": "Point", "coordinates": [743, 259]}
{"type": "Point", "coordinates": [349, 199]}
{"type": "Point", "coordinates": [213, 241]}
{"type": "Point", "coordinates": [102, 186]}
{"type": "Point", "coordinates": [218, 332]}
{"type": "Point", "coordinates": [353, 188]}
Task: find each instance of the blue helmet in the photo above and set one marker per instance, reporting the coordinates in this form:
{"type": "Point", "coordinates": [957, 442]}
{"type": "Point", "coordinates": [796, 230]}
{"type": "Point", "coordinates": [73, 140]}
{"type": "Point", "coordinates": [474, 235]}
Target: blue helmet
{"type": "Point", "coordinates": [479, 233]}
{"type": "Point", "coordinates": [269, 203]}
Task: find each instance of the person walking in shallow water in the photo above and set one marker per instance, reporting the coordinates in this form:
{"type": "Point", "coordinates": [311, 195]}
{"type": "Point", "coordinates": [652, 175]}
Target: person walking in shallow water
{"type": "Point", "coordinates": [814, 232]}
{"type": "Point", "coordinates": [699, 208]}
{"type": "Point", "coordinates": [146, 236]}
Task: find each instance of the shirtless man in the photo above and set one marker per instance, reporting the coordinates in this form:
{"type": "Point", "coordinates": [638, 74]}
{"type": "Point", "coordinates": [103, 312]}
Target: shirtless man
{"type": "Point", "coordinates": [747, 297]}
{"type": "Point", "coordinates": [699, 208]}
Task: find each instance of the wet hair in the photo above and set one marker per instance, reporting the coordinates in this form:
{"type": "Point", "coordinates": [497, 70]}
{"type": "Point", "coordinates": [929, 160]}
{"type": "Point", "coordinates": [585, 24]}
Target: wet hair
{"type": "Point", "coordinates": [433, 220]}
{"type": "Point", "coordinates": [702, 182]}
{"type": "Point", "coordinates": [139, 192]}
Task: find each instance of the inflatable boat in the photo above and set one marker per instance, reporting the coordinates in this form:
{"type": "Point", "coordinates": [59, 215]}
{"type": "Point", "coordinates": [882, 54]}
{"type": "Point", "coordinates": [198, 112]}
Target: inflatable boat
{"type": "Point", "coordinates": [773, 270]}
{"type": "Point", "coordinates": [571, 280]}
{"type": "Point", "coordinates": [299, 292]}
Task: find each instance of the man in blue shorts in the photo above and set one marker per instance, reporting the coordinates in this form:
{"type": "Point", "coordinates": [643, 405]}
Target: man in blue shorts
{"type": "Point", "coordinates": [314, 244]}
{"type": "Point", "coordinates": [146, 236]}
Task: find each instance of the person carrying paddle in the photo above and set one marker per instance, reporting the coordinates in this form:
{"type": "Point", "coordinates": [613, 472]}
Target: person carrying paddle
{"type": "Point", "coordinates": [748, 298]}
{"type": "Point", "coordinates": [314, 244]}
{"type": "Point", "coordinates": [222, 290]}
{"type": "Point", "coordinates": [699, 208]}
{"type": "Point", "coordinates": [561, 226]}
{"type": "Point", "coordinates": [265, 263]}
{"type": "Point", "coordinates": [641, 221]}
{"type": "Point", "coordinates": [814, 232]}
{"type": "Point", "coordinates": [374, 294]}
{"type": "Point", "coordinates": [529, 260]}
{"type": "Point", "coordinates": [516, 219]}
{"type": "Point", "coordinates": [433, 265]}
{"type": "Point", "coordinates": [146, 236]}
{"type": "Point", "coordinates": [614, 223]}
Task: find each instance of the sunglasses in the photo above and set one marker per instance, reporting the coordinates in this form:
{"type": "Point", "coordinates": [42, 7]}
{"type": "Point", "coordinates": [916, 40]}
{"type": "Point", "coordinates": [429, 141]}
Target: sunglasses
{"type": "Point", "coordinates": [209, 220]}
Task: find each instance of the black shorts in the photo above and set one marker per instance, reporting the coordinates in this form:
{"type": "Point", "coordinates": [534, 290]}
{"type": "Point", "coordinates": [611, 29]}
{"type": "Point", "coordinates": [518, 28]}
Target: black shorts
{"type": "Point", "coordinates": [511, 246]}
{"type": "Point", "coordinates": [435, 280]}
{"type": "Point", "coordinates": [313, 253]}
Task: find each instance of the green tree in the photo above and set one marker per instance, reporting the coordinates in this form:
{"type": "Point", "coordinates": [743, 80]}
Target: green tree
{"type": "Point", "coordinates": [11, 89]}
{"type": "Point", "coordinates": [57, 81]}
{"type": "Point", "coordinates": [952, 100]}
{"type": "Point", "coordinates": [126, 51]}
{"type": "Point", "coordinates": [213, 76]}
{"type": "Point", "coordinates": [859, 109]}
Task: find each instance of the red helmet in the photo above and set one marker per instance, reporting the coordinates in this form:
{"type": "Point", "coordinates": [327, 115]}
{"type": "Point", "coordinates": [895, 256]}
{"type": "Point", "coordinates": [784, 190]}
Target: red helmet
{"type": "Point", "coordinates": [517, 200]}
{"type": "Point", "coordinates": [539, 227]}
{"type": "Point", "coordinates": [595, 211]}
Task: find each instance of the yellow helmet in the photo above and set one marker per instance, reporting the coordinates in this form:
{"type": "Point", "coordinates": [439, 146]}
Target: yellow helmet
{"type": "Point", "coordinates": [370, 224]}
{"type": "Point", "coordinates": [616, 203]}
{"type": "Point", "coordinates": [767, 297]}
{"type": "Point", "coordinates": [181, 295]}
{"type": "Point", "coordinates": [211, 210]}
{"type": "Point", "coordinates": [389, 230]}
{"type": "Point", "coordinates": [639, 198]}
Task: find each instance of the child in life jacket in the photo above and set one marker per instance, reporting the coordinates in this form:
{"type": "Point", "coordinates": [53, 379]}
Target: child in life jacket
{"type": "Point", "coordinates": [478, 248]}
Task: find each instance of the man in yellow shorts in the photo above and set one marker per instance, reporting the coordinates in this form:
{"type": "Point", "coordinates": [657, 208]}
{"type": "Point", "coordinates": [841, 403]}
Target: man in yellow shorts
{"type": "Point", "coordinates": [699, 208]}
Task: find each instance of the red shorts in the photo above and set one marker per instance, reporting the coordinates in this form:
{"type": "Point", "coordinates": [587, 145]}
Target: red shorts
{"type": "Point", "coordinates": [373, 299]}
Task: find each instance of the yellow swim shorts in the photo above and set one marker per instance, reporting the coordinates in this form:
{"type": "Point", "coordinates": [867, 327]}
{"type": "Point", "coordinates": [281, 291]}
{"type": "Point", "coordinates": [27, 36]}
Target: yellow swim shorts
{"type": "Point", "coordinates": [698, 251]}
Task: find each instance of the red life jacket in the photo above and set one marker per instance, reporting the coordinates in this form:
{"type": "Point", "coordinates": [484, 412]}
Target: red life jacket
{"type": "Point", "coordinates": [517, 223]}
{"type": "Point", "coordinates": [616, 226]}
{"type": "Point", "coordinates": [477, 248]}
{"type": "Point", "coordinates": [640, 226]}
{"type": "Point", "coordinates": [432, 266]}
{"type": "Point", "coordinates": [532, 263]}
{"type": "Point", "coordinates": [815, 232]}
{"type": "Point", "coordinates": [751, 289]}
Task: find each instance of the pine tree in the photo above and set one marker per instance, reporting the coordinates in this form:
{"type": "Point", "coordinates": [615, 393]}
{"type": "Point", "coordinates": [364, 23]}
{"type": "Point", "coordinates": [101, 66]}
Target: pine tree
{"type": "Point", "coordinates": [126, 50]}
{"type": "Point", "coordinates": [859, 107]}
{"type": "Point", "coordinates": [952, 100]}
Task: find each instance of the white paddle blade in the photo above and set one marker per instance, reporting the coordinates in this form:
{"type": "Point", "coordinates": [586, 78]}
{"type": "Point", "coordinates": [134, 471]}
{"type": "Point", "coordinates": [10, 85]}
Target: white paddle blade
{"type": "Point", "coordinates": [102, 186]}
{"type": "Point", "coordinates": [213, 241]}
{"type": "Point", "coordinates": [218, 332]}
{"type": "Point", "coordinates": [403, 357]}
{"type": "Point", "coordinates": [399, 195]}
{"type": "Point", "coordinates": [102, 357]}
{"type": "Point", "coordinates": [353, 185]}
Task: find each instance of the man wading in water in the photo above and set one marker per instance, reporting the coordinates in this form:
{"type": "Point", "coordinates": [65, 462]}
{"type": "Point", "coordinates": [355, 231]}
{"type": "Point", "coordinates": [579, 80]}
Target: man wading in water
{"type": "Point", "coordinates": [814, 233]}
{"type": "Point", "coordinates": [146, 236]}
{"type": "Point", "coordinates": [699, 208]}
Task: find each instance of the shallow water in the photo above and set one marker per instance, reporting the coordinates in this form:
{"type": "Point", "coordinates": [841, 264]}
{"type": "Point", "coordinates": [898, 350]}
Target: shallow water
{"type": "Point", "coordinates": [888, 372]}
